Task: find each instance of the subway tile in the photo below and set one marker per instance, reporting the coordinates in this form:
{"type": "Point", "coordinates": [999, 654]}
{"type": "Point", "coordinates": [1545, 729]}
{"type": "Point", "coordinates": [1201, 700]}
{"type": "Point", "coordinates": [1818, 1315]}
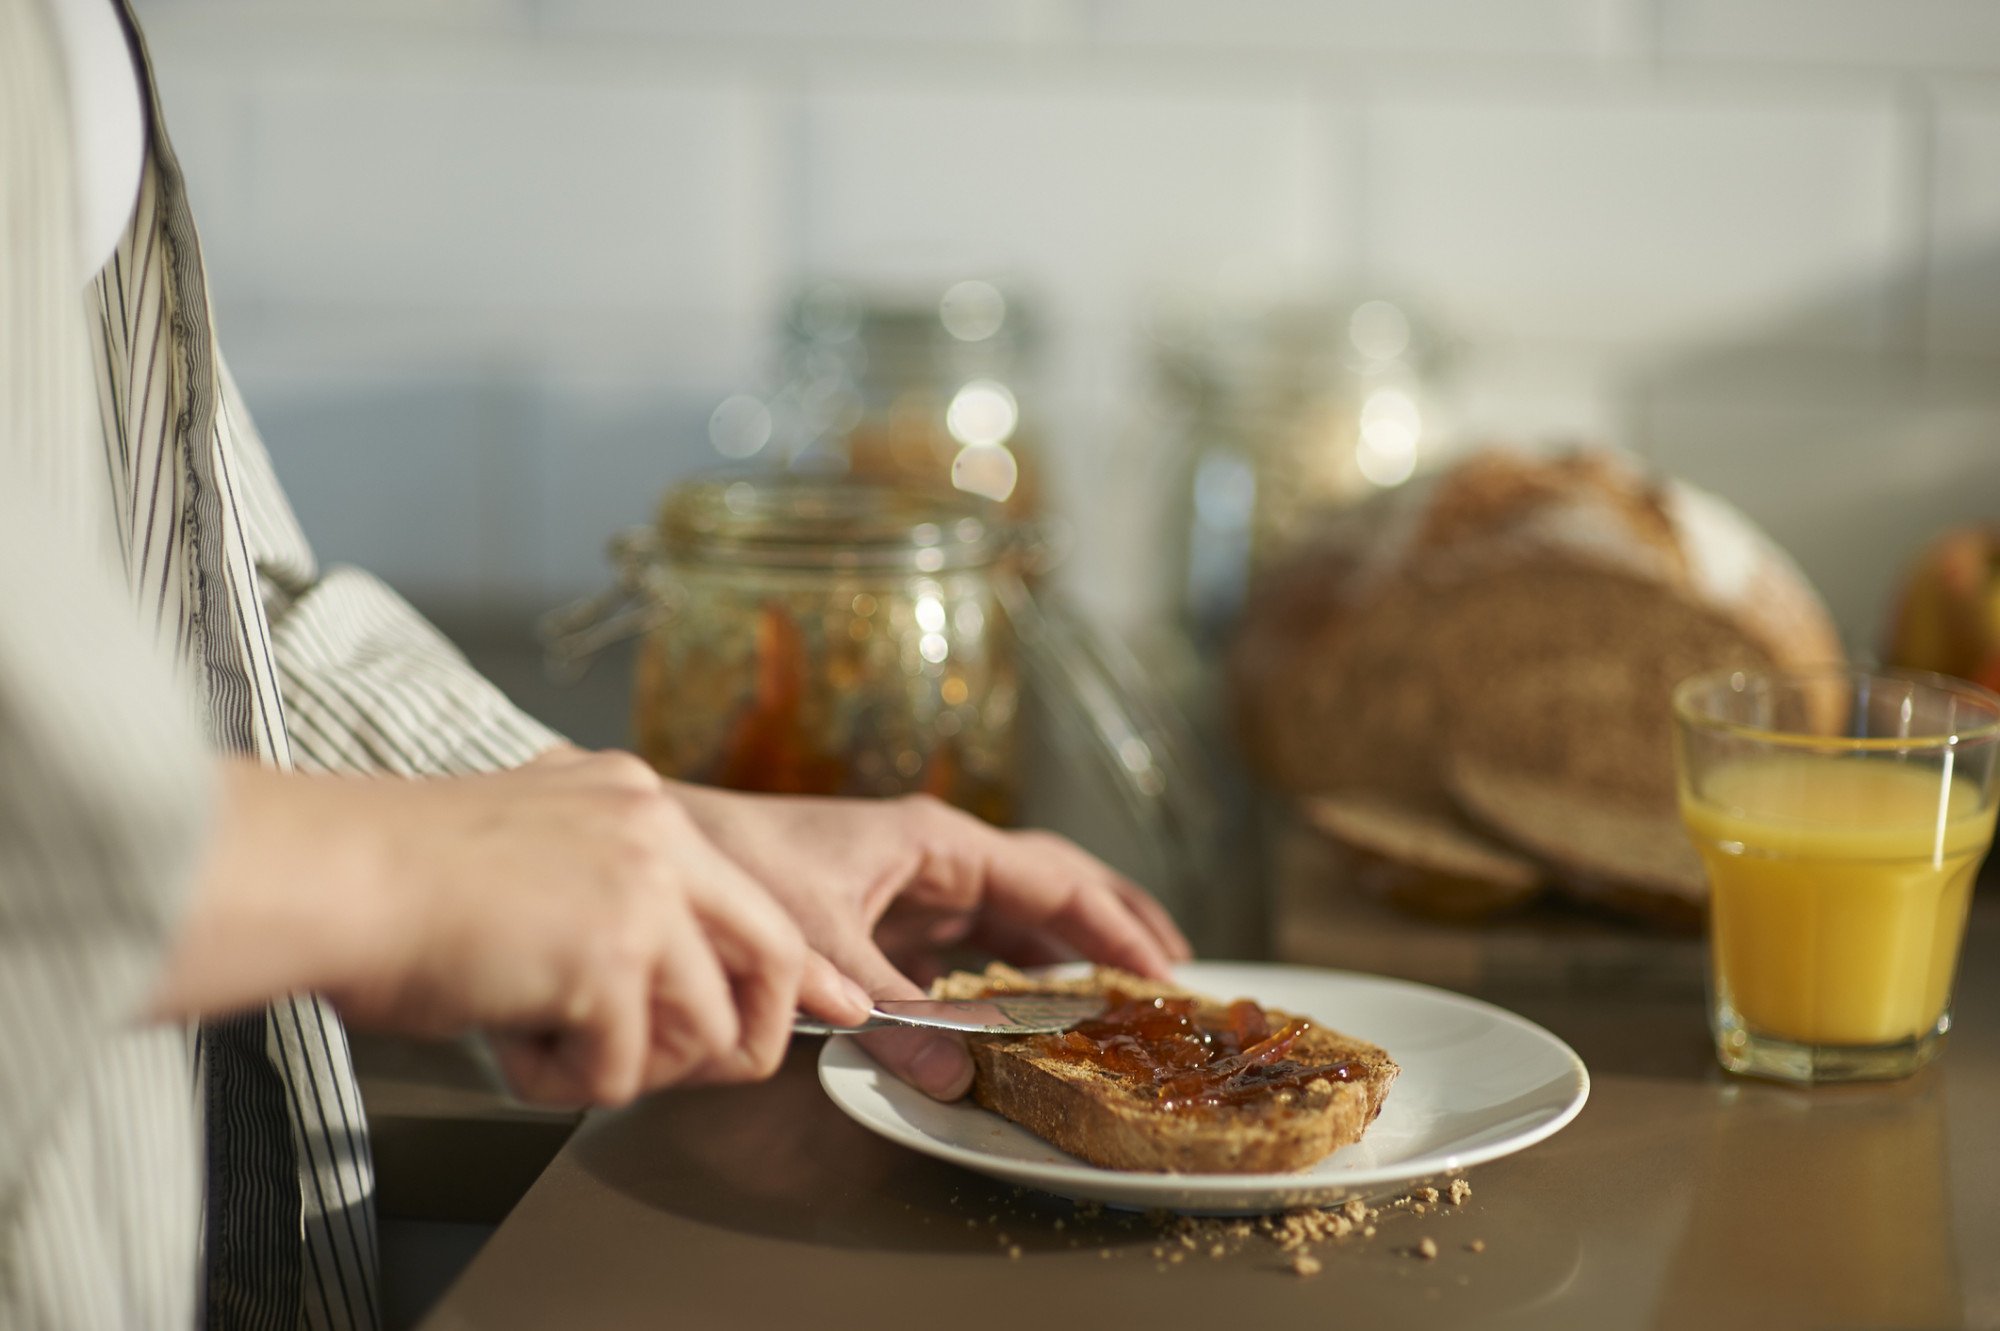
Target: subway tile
{"type": "Point", "coordinates": [1088, 194]}
{"type": "Point", "coordinates": [601, 461]}
{"type": "Point", "coordinates": [891, 23]}
{"type": "Point", "coordinates": [167, 19]}
{"type": "Point", "coordinates": [1919, 34]}
{"type": "Point", "coordinates": [418, 481]}
{"type": "Point", "coordinates": [1524, 28]}
{"type": "Point", "coordinates": [511, 186]}
{"type": "Point", "coordinates": [1962, 299]}
{"type": "Point", "coordinates": [1851, 470]}
{"type": "Point", "coordinates": [1640, 218]}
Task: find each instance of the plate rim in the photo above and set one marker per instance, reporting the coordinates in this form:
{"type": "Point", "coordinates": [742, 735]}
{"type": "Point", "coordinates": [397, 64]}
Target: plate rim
{"type": "Point", "coordinates": [843, 1054]}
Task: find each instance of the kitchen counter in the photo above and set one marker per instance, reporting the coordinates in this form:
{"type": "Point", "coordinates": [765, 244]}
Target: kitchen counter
{"type": "Point", "coordinates": [1679, 1197]}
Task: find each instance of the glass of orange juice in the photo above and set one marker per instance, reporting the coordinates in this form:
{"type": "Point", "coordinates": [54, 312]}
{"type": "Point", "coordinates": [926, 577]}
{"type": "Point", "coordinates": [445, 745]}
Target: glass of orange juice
{"type": "Point", "coordinates": [1841, 816]}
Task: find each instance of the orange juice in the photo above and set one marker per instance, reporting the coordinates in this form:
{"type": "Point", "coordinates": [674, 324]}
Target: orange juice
{"type": "Point", "coordinates": [1838, 891]}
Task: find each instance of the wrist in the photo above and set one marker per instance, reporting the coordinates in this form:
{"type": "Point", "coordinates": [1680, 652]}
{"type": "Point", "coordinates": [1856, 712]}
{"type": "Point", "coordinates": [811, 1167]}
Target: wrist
{"type": "Point", "coordinates": [291, 894]}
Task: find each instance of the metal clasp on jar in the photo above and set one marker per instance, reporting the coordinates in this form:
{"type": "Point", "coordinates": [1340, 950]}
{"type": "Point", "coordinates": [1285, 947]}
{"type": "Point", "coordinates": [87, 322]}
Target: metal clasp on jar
{"type": "Point", "coordinates": [641, 598]}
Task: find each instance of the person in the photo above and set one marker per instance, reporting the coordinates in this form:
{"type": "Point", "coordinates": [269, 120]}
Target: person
{"type": "Point", "coordinates": [243, 798]}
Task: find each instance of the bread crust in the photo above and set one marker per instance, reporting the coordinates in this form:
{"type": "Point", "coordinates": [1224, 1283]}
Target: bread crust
{"type": "Point", "coordinates": [1106, 1119]}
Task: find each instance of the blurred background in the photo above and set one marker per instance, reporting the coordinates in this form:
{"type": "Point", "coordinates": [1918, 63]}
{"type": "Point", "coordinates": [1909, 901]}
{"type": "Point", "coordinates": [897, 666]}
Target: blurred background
{"type": "Point", "coordinates": [486, 269]}
{"type": "Point", "coordinates": [493, 274]}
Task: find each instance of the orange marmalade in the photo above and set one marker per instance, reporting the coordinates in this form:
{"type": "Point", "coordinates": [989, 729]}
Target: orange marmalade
{"type": "Point", "coordinates": [1190, 1060]}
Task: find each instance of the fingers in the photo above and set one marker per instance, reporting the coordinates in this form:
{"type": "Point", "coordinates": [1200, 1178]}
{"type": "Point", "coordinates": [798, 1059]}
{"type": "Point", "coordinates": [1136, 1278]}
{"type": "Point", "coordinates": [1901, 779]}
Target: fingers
{"type": "Point", "coordinates": [1154, 916]}
{"type": "Point", "coordinates": [764, 957]}
{"type": "Point", "coordinates": [559, 755]}
{"type": "Point", "coordinates": [828, 994]}
{"type": "Point", "coordinates": [600, 1059]}
{"type": "Point", "coordinates": [935, 1064]}
{"type": "Point", "coordinates": [1039, 881]}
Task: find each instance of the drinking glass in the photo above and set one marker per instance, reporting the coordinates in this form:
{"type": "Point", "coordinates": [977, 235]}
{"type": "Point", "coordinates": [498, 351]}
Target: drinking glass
{"type": "Point", "coordinates": [1841, 816]}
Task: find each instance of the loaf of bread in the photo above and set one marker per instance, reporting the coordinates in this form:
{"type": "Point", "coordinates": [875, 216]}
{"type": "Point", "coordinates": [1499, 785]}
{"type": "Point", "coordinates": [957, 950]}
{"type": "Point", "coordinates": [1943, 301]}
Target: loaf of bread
{"type": "Point", "coordinates": [1119, 1121]}
{"type": "Point", "coordinates": [1492, 648]}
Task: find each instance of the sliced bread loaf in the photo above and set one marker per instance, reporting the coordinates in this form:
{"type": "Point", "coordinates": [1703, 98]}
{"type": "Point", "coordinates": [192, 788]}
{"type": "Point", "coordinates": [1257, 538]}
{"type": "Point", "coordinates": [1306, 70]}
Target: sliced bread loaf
{"type": "Point", "coordinates": [1527, 614]}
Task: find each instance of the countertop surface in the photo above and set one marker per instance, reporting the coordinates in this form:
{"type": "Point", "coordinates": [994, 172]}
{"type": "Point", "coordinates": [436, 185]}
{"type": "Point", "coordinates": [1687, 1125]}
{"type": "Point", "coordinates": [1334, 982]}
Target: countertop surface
{"type": "Point", "coordinates": [1679, 1197]}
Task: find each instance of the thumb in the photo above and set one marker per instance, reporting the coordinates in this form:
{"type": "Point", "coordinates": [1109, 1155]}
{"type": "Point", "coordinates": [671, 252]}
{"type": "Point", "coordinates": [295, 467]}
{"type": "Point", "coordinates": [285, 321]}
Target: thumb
{"type": "Point", "coordinates": [936, 1064]}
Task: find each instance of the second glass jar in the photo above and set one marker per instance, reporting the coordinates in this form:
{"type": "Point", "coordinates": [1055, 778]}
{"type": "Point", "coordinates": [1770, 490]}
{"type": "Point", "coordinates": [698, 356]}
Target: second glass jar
{"type": "Point", "coordinates": [811, 636]}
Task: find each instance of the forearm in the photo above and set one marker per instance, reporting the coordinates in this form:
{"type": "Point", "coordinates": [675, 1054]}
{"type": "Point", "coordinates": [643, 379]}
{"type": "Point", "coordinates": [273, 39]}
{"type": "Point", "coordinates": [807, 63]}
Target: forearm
{"type": "Point", "coordinates": [370, 686]}
{"type": "Point", "coordinates": [289, 893]}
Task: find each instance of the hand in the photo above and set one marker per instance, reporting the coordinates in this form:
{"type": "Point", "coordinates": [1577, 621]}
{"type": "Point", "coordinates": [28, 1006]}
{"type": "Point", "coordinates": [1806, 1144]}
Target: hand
{"type": "Point", "coordinates": [880, 886]}
{"type": "Point", "coordinates": [570, 907]}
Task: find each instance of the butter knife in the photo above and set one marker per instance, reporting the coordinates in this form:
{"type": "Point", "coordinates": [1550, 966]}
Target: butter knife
{"type": "Point", "coordinates": [1004, 1014]}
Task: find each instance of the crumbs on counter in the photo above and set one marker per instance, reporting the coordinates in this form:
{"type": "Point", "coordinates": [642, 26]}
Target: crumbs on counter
{"type": "Point", "coordinates": [1300, 1234]}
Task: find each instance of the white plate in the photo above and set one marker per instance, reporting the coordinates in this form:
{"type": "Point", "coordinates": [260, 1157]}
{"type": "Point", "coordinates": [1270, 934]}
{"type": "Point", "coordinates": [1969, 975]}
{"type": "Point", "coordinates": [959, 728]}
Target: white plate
{"type": "Point", "coordinates": [1478, 1083]}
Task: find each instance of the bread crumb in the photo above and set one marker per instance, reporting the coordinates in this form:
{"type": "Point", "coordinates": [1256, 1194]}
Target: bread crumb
{"type": "Point", "coordinates": [1176, 1257]}
{"type": "Point", "coordinates": [1477, 1245]}
{"type": "Point", "coordinates": [1427, 1248]}
{"type": "Point", "coordinates": [1216, 1251]}
{"type": "Point", "coordinates": [1368, 1232]}
{"type": "Point", "coordinates": [1356, 1210]}
{"type": "Point", "coordinates": [1418, 1208]}
{"type": "Point", "coordinates": [1014, 1253]}
{"type": "Point", "coordinates": [1460, 1190]}
{"type": "Point", "coordinates": [1306, 1264]}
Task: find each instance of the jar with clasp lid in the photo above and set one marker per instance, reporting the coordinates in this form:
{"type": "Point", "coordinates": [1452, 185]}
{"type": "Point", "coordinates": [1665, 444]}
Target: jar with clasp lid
{"type": "Point", "coordinates": [811, 634]}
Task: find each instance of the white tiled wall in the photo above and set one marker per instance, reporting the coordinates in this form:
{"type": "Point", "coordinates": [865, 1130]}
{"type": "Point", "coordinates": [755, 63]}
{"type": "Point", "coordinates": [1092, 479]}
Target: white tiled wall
{"type": "Point", "coordinates": [1964, 257]}
{"type": "Point", "coordinates": [1097, 187]}
{"type": "Point", "coordinates": [1925, 37]}
{"type": "Point", "coordinates": [484, 266]}
{"type": "Point", "coordinates": [1640, 216]}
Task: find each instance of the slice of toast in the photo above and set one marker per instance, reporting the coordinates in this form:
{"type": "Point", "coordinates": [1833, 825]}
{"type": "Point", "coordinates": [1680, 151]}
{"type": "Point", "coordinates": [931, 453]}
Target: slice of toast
{"type": "Point", "coordinates": [1634, 859]}
{"type": "Point", "coordinates": [1426, 862]}
{"type": "Point", "coordinates": [1118, 1121]}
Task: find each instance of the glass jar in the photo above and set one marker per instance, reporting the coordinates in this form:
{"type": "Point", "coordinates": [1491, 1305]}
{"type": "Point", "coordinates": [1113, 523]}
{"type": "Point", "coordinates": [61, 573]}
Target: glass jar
{"type": "Point", "coordinates": [919, 388]}
{"type": "Point", "coordinates": [816, 635]}
{"type": "Point", "coordinates": [808, 636]}
{"type": "Point", "coordinates": [1279, 416]}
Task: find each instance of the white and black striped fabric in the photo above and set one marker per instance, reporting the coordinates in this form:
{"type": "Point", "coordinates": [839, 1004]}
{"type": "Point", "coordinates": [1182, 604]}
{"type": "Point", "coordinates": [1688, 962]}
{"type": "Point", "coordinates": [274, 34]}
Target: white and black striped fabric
{"type": "Point", "coordinates": [328, 672]}
{"type": "Point", "coordinates": [103, 792]}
